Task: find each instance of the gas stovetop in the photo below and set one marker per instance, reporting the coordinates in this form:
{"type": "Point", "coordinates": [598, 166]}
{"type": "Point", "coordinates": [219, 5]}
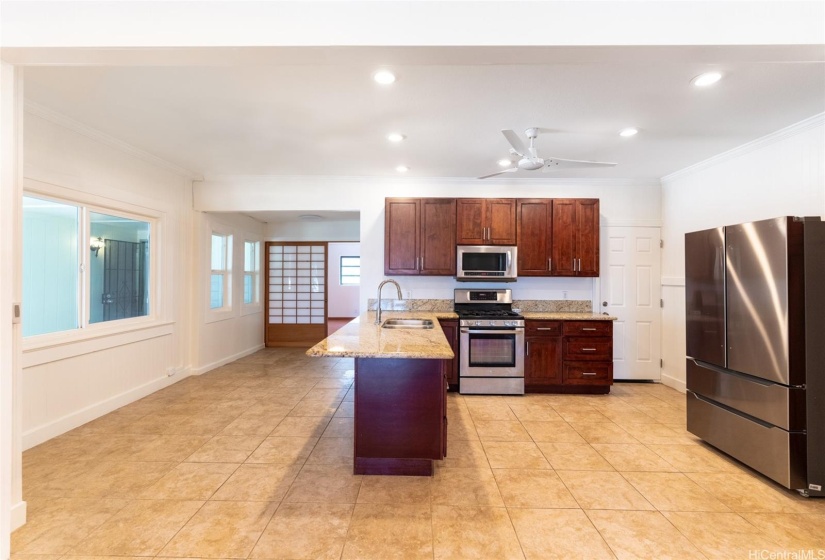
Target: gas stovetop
{"type": "Point", "coordinates": [486, 308]}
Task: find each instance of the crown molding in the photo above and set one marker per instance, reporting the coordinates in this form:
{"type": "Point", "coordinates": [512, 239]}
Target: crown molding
{"type": "Point", "coordinates": [379, 180]}
{"type": "Point", "coordinates": [759, 143]}
{"type": "Point", "coordinates": [60, 119]}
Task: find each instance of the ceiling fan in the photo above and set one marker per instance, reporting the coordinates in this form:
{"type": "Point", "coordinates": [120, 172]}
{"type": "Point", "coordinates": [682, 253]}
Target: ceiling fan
{"type": "Point", "coordinates": [530, 161]}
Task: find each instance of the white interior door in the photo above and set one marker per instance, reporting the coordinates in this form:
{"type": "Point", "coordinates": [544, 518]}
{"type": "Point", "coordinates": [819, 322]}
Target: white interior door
{"type": "Point", "coordinates": [631, 290]}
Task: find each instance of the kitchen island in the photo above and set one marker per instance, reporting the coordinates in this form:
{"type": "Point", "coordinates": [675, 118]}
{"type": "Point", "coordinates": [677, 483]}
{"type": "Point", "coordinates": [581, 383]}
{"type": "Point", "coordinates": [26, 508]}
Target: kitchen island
{"type": "Point", "coordinates": [400, 392]}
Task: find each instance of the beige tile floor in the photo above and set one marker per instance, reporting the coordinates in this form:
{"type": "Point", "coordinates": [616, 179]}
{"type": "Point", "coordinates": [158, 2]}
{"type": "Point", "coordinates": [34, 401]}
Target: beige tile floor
{"type": "Point", "coordinates": [253, 460]}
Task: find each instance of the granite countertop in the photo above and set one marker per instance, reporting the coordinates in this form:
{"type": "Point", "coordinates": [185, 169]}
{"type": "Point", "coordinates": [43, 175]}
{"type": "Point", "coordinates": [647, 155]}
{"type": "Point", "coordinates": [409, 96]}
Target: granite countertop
{"type": "Point", "coordinates": [362, 338]}
{"type": "Point", "coordinates": [567, 316]}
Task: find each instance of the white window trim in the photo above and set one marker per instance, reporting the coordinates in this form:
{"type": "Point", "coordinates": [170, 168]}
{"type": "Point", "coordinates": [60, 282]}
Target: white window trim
{"type": "Point", "coordinates": [257, 305]}
{"type": "Point", "coordinates": [85, 330]}
{"type": "Point", "coordinates": [227, 311]}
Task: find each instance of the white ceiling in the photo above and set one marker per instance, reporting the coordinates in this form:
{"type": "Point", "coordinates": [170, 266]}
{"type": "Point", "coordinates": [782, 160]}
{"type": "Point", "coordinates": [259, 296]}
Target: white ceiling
{"type": "Point", "coordinates": [316, 111]}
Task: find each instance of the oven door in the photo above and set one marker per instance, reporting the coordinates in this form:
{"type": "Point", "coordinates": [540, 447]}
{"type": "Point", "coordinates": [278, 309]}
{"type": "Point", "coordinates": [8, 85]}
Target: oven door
{"type": "Point", "coordinates": [491, 352]}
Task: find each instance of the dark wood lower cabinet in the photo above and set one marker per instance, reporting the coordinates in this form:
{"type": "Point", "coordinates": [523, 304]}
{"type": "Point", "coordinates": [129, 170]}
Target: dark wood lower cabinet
{"type": "Point", "coordinates": [450, 328]}
{"type": "Point", "coordinates": [568, 356]}
{"type": "Point", "coordinates": [400, 416]}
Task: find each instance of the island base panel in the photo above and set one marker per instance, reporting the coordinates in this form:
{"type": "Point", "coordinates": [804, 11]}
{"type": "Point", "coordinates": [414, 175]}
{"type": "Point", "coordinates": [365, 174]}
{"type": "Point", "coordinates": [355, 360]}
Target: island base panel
{"type": "Point", "coordinates": [399, 415]}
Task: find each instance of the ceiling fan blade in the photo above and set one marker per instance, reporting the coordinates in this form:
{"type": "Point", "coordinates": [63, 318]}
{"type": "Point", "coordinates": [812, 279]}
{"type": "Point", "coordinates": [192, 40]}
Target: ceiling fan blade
{"type": "Point", "coordinates": [515, 142]}
{"type": "Point", "coordinates": [557, 163]}
{"type": "Point", "coordinates": [511, 170]}
{"type": "Point", "coordinates": [547, 130]}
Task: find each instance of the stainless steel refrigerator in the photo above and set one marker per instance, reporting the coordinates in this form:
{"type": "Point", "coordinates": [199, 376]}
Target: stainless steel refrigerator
{"type": "Point", "coordinates": [755, 305]}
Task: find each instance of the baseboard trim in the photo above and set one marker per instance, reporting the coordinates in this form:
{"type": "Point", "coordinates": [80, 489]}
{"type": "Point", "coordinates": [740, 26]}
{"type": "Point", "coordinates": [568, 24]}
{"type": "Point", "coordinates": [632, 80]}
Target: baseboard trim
{"type": "Point", "coordinates": [222, 362]}
{"type": "Point", "coordinates": [674, 383]}
{"type": "Point", "coordinates": [18, 515]}
{"type": "Point", "coordinates": [38, 435]}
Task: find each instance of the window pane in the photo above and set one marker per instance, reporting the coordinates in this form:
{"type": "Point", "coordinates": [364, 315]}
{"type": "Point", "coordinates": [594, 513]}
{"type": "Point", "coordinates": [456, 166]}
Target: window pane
{"type": "Point", "coordinates": [216, 292]}
{"type": "Point", "coordinates": [50, 266]}
{"type": "Point", "coordinates": [350, 271]}
{"type": "Point", "coordinates": [250, 258]}
{"type": "Point", "coordinates": [248, 288]}
{"type": "Point", "coordinates": [218, 252]}
{"type": "Point", "coordinates": [118, 268]}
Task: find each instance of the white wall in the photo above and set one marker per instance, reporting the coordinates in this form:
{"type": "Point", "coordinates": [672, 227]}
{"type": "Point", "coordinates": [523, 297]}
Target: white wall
{"type": "Point", "coordinates": [782, 174]}
{"type": "Point", "coordinates": [622, 203]}
{"type": "Point", "coordinates": [221, 337]}
{"type": "Point", "coordinates": [342, 301]}
{"type": "Point", "coordinates": [326, 230]}
{"type": "Point", "coordinates": [72, 378]}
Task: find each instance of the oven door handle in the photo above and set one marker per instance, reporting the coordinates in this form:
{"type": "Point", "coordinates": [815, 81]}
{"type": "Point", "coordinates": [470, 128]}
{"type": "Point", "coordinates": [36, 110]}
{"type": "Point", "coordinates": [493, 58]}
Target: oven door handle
{"type": "Point", "coordinates": [466, 330]}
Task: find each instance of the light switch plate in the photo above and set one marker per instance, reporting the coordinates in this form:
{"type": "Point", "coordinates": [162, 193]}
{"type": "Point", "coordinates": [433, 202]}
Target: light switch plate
{"type": "Point", "coordinates": [16, 312]}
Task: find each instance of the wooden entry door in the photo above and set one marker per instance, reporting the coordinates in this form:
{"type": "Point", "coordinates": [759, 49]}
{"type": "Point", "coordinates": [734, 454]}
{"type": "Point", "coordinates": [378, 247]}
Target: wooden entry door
{"type": "Point", "coordinates": [296, 295]}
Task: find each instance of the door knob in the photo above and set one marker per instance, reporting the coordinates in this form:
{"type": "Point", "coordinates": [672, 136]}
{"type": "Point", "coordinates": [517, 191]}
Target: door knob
{"type": "Point", "coordinates": [604, 304]}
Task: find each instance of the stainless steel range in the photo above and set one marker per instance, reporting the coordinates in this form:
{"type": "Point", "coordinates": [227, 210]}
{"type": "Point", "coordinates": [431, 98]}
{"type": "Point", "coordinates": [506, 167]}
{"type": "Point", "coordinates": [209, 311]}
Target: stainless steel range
{"type": "Point", "coordinates": [491, 343]}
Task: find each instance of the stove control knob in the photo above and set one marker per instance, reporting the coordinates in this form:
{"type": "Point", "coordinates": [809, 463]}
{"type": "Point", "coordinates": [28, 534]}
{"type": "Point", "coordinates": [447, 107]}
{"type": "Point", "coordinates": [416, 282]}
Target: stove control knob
{"type": "Point", "coordinates": [508, 323]}
{"type": "Point", "coordinates": [478, 323]}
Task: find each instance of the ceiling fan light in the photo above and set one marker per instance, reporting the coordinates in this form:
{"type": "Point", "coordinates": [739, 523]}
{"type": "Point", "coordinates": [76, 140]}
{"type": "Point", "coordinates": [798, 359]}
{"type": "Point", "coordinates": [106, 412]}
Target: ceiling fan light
{"type": "Point", "coordinates": [402, 168]}
{"type": "Point", "coordinates": [628, 132]}
{"type": "Point", "coordinates": [395, 137]}
{"type": "Point", "coordinates": [706, 79]}
{"type": "Point", "coordinates": [384, 77]}
{"type": "Point", "coordinates": [504, 163]}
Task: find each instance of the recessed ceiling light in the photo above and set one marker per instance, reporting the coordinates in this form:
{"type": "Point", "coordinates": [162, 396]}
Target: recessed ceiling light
{"type": "Point", "coordinates": [629, 132]}
{"type": "Point", "coordinates": [310, 217]}
{"type": "Point", "coordinates": [706, 79]}
{"type": "Point", "coordinates": [402, 168]}
{"type": "Point", "coordinates": [504, 163]}
{"type": "Point", "coordinates": [384, 77]}
{"type": "Point", "coordinates": [395, 137]}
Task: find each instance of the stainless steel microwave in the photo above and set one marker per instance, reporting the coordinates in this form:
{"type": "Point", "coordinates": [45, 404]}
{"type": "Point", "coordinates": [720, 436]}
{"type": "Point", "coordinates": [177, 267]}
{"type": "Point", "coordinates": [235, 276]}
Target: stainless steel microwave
{"type": "Point", "coordinates": [486, 263]}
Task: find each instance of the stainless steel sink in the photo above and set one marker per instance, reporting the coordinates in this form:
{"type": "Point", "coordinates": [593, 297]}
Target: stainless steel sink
{"type": "Point", "coordinates": [407, 324]}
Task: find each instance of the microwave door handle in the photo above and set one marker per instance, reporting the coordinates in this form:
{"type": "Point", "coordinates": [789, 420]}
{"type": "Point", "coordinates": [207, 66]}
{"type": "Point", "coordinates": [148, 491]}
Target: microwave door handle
{"type": "Point", "coordinates": [508, 260]}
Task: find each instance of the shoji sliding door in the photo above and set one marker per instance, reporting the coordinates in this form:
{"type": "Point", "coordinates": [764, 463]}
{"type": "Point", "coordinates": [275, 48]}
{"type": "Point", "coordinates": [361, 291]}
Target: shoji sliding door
{"type": "Point", "coordinates": [296, 296]}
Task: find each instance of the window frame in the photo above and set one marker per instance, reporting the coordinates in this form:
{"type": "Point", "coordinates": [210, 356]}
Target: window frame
{"type": "Point", "coordinates": [225, 311]}
{"type": "Point", "coordinates": [256, 306]}
{"type": "Point", "coordinates": [341, 268]}
{"type": "Point", "coordinates": [86, 204]}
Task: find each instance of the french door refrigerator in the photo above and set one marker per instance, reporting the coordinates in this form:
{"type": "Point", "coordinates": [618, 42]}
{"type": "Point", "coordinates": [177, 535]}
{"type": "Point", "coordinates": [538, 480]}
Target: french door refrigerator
{"type": "Point", "coordinates": [755, 306]}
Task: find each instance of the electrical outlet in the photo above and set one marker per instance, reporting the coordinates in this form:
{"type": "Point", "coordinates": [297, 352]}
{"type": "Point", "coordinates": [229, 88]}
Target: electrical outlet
{"type": "Point", "coordinates": [564, 294]}
{"type": "Point", "coordinates": [408, 295]}
{"type": "Point", "coordinates": [170, 371]}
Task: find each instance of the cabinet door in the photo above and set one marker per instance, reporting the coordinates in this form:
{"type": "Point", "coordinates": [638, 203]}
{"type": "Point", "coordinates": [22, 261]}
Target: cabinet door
{"type": "Point", "coordinates": [501, 221]}
{"type": "Point", "coordinates": [470, 221]}
{"type": "Point", "coordinates": [542, 360]}
{"type": "Point", "coordinates": [437, 237]}
{"type": "Point", "coordinates": [450, 367]}
{"type": "Point", "coordinates": [401, 234]}
{"type": "Point", "coordinates": [563, 237]}
{"type": "Point", "coordinates": [587, 236]}
{"type": "Point", "coordinates": [533, 218]}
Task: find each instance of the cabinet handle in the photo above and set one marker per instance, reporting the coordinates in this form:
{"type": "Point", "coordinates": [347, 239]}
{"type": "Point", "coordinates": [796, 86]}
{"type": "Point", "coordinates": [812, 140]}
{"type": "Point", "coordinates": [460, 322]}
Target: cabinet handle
{"type": "Point", "coordinates": [549, 265]}
{"type": "Point", "coordinates": [580, 265]}
{"type": "Point", "coordinates": [588, 373]}
{"type": "Point", "coordinates": [527, 351]}
{"type": "Point", "coordinates": [588, 349]}
{"type": "Point", "coordinates": [545, 328]}
{"type": "Point", "coordinates": [422, 264]}
{"type": "Point", "coordinates": [588, 329]}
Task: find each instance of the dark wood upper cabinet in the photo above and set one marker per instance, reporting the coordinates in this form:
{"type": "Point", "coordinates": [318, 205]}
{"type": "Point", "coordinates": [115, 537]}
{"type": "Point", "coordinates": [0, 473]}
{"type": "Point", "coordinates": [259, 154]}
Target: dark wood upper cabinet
{"type": "Point", "coordinates": [575, 237]}
{"type": "Point", "coordinates": [486, 221]}
{"type": "Point", "coordinates": [533, 219]}
{"type": "Point", "coordinates": [419, 236]}
{"type": "Point", "coordinates": [437, 237]}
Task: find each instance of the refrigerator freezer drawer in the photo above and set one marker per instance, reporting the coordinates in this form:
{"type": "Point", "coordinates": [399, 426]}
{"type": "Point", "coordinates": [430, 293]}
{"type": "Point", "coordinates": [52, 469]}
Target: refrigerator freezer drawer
{"type": "Point", "coordinates": [777, 454]}
{"type": "Point", "coordinates": [775, 404]}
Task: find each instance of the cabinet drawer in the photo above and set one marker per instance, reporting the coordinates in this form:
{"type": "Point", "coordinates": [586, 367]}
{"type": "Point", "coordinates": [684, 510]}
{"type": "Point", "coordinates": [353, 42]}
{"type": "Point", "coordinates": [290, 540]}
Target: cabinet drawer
{"type": "Point", "coordinates": [584, 373]}
{"type": "Point", "coordinates": [542, 328]}
{"type": "Point", "coordinates": [588, 328]}
{"type": "Point", "coordinates": [596, 348]}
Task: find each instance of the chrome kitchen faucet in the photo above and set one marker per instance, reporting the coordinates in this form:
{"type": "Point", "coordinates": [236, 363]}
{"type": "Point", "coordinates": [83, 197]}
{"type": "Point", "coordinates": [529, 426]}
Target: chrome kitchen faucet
{"type": "Point", "coordinates": [378, 304]}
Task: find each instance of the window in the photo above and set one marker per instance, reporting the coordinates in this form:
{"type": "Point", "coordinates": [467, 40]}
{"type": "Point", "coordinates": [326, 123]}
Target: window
{"type": "Point", "coordinates": [221, 278]}
{"type": "Point", "coordinates": [350, 271]}
{"type": "Point", "coordinates": [251, 272]}
{"type": "Point", "coordinates": [82, 266]}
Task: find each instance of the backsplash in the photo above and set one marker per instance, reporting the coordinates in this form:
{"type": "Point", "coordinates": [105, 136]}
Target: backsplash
{"type": "Point", "coordinates": [524, 305]}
